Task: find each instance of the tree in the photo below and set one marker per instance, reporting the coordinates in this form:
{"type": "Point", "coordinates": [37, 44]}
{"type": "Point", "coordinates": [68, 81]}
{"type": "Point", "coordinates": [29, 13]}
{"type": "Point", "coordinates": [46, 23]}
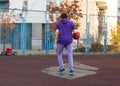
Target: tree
{"type": "Point", "coordinates": [7, 23]}
{"type": "Point", "coordinates": [71, 7]}
{"type": "Point", "coordinates": [115, 38]}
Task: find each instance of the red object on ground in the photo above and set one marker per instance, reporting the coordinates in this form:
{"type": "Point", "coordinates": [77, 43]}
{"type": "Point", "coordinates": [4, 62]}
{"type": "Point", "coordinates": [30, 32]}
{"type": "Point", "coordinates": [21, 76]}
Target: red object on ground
{"type": "Point", "coordinates": [8, 50]}
{"type": "Point", "coordinates": [76, 35]}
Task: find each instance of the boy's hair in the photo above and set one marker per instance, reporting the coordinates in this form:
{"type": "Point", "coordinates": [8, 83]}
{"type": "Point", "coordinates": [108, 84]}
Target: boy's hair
{"type": "Point", "coordinates": [63, 15]}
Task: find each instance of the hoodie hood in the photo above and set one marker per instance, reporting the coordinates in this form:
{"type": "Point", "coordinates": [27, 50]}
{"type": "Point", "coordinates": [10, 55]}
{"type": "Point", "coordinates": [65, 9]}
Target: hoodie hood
{"type": "Point", "coordinates": [64, 21]}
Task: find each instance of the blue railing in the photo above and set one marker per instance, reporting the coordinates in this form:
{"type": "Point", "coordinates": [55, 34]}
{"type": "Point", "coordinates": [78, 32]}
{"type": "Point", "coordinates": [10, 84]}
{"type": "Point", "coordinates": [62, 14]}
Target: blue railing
{"type": "Point", "coordinates": [22, 38]}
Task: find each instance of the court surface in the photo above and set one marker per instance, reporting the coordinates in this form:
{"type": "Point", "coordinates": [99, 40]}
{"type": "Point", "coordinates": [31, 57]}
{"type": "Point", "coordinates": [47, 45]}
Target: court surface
{"type": "Point", "coordinates": [90, 70]}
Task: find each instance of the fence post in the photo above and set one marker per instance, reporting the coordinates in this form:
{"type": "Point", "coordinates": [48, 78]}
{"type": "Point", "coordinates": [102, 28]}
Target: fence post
{"type": "Point", "coordinates": [23, 27]}
{"type": "Point", "coordinates": [87, 29]}
{"type": "Point", "coordinates": [23, 36]}
{"type": "Point", "coordinates": [47, 36]}
{"type": "Point", "coordinates": [105, 36]}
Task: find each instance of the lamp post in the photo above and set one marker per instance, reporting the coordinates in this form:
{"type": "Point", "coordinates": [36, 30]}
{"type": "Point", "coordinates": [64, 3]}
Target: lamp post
{"type": "Point", "coordinates": [87, 29]}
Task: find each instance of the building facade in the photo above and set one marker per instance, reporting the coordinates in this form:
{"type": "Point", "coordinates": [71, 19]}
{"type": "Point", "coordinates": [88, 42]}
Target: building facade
{"type": "Point", "coordinates": [35, 14]}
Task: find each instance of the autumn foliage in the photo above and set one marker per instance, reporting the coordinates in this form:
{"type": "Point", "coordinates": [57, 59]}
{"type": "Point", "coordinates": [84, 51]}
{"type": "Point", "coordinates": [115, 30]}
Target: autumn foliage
{"type": "Point", "coordinates": [8, 18]}
{"type": "Point", "coordinates": [115, 38]}
{"type": "Point", "coordinates": [72, 8]}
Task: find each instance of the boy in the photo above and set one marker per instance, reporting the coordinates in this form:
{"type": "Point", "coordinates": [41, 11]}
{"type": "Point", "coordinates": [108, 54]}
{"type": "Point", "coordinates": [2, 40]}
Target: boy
{"type": "Point", "coordinates": [63, 39]}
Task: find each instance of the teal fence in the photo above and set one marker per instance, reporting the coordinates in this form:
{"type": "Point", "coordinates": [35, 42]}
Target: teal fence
{"type": "Point", "coordinates": [35, 38]}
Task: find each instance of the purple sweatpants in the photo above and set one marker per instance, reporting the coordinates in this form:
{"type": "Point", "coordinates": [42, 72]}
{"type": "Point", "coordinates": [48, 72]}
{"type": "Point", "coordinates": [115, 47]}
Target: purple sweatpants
{"type": "Point", "coordinates": [69, 52]}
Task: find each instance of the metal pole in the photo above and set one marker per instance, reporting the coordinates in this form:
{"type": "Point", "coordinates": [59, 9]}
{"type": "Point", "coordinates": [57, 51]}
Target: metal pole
{"type": "Point", "coordinates": [105, 36]}
{"type": "Point", "coordinates": [47, 33]}
{"type": "Point", "coordinates": [23, 36]}
{"type": "Point", "coordinates": [23, 28]}
{"type": "Point", "coordinates": [87, 29]}
{"type": "Point", "coordinates": [47, 36]}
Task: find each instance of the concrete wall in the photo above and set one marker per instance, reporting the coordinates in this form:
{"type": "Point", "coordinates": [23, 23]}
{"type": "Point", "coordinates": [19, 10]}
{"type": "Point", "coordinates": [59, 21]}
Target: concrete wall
{"type": "Point", "coordinates": [31, 17]}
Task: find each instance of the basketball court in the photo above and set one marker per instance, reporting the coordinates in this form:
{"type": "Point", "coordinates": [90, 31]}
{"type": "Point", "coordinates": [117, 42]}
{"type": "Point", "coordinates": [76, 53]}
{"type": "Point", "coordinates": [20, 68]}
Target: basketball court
{"type": "Point", "coordinates": [90, 70]}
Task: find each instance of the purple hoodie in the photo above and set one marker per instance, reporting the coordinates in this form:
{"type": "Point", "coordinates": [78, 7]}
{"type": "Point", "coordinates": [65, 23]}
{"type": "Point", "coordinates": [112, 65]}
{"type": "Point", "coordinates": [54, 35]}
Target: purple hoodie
{"type": "Point", "coordinates": [65, 26]}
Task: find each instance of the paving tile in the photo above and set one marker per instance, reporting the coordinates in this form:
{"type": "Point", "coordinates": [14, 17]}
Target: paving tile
{"type": "Point", "coordinates": [81, 70]}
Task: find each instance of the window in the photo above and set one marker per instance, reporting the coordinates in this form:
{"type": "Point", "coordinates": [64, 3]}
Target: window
{"type": "Point", "coordinates": [2, 4]}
